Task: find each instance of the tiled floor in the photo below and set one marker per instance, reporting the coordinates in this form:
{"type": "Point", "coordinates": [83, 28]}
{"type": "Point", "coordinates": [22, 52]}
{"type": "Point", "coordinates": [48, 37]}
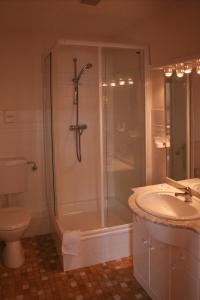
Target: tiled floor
{"type": "Point", "coordinates": [41, 277]}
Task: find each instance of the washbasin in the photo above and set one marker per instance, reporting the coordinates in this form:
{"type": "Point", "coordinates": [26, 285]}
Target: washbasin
{"type": "Point", "coordinates": [168, 206]}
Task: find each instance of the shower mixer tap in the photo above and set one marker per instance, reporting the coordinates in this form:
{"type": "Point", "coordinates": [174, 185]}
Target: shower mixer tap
{"type": "Point", "coordinates": [78, 127]}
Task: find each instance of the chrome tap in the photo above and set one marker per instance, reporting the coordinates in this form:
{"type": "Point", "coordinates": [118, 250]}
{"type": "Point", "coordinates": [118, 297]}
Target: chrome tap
{"type": "Point", "coordinates": [187, 194]}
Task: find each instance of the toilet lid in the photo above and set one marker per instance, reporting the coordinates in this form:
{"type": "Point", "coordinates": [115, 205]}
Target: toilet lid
{"type": "Point", "coordinates": [13, 218]}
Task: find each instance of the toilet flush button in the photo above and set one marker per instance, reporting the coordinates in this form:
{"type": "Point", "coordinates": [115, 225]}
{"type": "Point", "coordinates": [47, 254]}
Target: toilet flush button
{"type": "Point", "coordinates": [9, 116]}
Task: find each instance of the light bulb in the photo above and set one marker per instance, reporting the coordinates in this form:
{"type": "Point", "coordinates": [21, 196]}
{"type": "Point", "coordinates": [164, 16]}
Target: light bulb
{"type": "Point", "coordinates": [113, 83]}
{"type": "Point", "coordinates": [130, 81]}
{"type": "Point", "coordinates": [179, 74]}
{"type": "Point", "coordinates": [188, 68]}
{"type": "Point", "coordinates": [180, 70]}
{"type": "Point", "coordinates": [198, 69]}
{"type": "Point", "coordinates": [198, 66]}
{"type": "Point", "coordinates": [104, 84]}
{"type": "Point", "coordinates": [168, 71]}
{"type": "Point", "coordinates": [121, 82]}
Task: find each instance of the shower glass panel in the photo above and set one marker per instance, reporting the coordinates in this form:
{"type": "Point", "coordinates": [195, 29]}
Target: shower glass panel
{"type": "Point", "coordinates": [93, 192]}
{"type": "Point", "coordinates": [48, 142]}
{"type": "Point", "coordinates": [77, 183]}
{"type": "Point", "coordinates": [124, 129]}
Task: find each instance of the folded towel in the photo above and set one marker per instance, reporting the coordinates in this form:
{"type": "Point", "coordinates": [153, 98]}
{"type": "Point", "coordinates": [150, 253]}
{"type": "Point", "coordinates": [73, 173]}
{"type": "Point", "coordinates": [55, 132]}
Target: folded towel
{"type": "Point", "coordinates": [71, 242]}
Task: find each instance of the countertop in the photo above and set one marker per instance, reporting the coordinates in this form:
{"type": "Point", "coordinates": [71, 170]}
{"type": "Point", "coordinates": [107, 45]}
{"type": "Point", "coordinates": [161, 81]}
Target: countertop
{"type": "Point", "coordinates": [193, 225]}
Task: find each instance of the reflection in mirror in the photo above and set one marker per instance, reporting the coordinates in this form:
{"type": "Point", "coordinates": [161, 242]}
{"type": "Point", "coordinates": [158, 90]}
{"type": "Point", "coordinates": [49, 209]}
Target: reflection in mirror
{"type": "Point", "coordinates": [182, 128]}
{"type": "Point", "coordinates": [177, 127]}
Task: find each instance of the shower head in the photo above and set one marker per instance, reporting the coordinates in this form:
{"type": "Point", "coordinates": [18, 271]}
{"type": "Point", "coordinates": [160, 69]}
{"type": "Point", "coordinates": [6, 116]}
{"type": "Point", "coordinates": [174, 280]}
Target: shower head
{"type": "Point", "coordinates": [85, 67]}
{"type": "Point", "coordinates": [88, 66]}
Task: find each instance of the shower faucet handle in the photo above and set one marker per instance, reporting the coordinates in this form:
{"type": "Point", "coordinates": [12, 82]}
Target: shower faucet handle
{"type": "Point", "coordinates": [78, 127]}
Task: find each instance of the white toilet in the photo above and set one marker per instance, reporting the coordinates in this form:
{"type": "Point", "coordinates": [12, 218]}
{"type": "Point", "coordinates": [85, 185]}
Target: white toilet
{"type": "Point", "coordinates": [13, 220]}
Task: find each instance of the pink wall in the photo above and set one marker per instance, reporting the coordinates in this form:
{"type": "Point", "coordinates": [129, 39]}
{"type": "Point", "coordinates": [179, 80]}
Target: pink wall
{"type": "Point", "coordinates": [21, 96]}
{"type": "Point", "coordinates": [170, 36]}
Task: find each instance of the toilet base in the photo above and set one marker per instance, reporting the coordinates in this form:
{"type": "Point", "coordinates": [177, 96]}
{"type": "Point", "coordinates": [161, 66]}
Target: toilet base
{"type": "Point", "coordinates": [13, 254]}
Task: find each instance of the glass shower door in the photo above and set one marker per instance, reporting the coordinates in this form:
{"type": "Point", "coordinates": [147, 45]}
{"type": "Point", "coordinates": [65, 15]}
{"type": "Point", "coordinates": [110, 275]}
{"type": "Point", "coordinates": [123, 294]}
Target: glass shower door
{"type": "Point", "coordinates": [124, 129]}
{"type": "Point", "coordinates": [48, 135]}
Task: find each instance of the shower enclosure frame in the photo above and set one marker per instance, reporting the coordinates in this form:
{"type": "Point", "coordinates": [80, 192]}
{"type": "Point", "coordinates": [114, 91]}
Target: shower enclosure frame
{"type": "Point", "coordinates": [147, 96]}
{"type": "Point", "coordinates": [122, 229]}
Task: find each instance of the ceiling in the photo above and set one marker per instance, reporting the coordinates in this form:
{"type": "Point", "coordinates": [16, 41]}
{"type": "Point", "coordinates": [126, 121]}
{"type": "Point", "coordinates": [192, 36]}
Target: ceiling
{"type": "Point", "coordinates": [170, 28]}
{"type": "Point", "coordinates": [108, 19]}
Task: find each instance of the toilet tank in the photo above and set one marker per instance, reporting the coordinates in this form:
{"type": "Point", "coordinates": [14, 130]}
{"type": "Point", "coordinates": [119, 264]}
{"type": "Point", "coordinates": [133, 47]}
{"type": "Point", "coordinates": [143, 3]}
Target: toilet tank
{"type": "Point", "coordinates": [13, 175]}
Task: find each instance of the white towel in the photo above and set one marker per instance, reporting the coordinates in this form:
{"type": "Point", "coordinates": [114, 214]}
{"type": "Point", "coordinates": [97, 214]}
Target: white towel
{"type": "Point", "coordinates": [71, 242]}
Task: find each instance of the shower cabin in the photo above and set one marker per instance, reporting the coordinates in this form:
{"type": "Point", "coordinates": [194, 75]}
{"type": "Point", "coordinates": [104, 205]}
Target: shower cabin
{"type": "Point", "coordinates": [95, 144]}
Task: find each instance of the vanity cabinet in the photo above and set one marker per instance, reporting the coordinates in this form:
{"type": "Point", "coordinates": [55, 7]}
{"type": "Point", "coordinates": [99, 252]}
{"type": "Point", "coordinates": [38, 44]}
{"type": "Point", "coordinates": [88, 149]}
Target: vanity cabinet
{"type": "Point", "coordinates": [141, 251]}
{"type": "Point", "coordinates": [166, 271]}
{"type": "Point", "coordinates": [158, 268]}
{"type": "Point", "coordinates": [150, 259]}
{"type": "Point", "coordinates": [184, 275]}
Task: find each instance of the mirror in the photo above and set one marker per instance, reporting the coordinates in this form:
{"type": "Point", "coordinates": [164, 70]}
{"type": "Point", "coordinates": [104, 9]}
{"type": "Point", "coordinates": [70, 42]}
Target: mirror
{"type": "Point", "coordinates": [182, 126]}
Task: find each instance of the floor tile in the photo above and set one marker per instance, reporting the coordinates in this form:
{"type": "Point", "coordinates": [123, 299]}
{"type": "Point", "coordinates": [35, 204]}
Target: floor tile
{"type": "Point", "coordinates": [41, 277]}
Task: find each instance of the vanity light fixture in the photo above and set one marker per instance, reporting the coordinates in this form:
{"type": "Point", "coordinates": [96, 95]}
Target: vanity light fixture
{"type": "Point", "coordinates": [113, 83]}
{"type": "Point", "coordinates": [121, 81]}
{"type": "Point", "coordinates": [188, 68]}
{"type": "Point", "coordinates": [179, 74]}
{"type": "Point", "coordinates": [198, 66]}
{"type": "Point", "coordinates": [180, 70]}
{"type": "Point", "coordinates": [168, 71]}
{"type": "Point", "coordinates": [198, 69]}
{"type": "Point", "coordinates": [130, 81]}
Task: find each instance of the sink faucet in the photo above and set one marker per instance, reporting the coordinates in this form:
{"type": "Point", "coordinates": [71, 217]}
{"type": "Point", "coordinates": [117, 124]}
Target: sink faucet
{"type": "Point", "coordinates": [187, 193]}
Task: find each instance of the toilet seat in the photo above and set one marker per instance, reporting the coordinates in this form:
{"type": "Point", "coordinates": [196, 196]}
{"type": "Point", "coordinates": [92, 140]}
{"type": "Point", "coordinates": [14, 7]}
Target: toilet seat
{"type": "Point", "coordinates": [12, 218]}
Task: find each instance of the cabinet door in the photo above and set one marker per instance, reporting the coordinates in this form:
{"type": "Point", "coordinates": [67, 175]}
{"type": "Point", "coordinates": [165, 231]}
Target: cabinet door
{"type": "Point", "coordinates": [183, 286]}
{"type": "Point", "coordinates": [140, 251]}
{"type": "Point", "coordinates": [159, 269]}
{"type": "Point", "coordinates": [184, 275]}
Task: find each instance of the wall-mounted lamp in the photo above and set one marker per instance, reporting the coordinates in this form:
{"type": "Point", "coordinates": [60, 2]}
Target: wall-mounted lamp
{"type": "Point", "coordinates": [182, 68]}
{"type": "Point", "coordinates": [113, 83]}
{"type": "Point", "coordinates": [187, 68]}
{"type": "Point", "coordinates": [130, 81]}
{"type": "Point", "coordinates": [121, 81]}
{"type": "Point", "coordinates": [198, 66]}
{"type": "Point", "coordinates": [168, 71]}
